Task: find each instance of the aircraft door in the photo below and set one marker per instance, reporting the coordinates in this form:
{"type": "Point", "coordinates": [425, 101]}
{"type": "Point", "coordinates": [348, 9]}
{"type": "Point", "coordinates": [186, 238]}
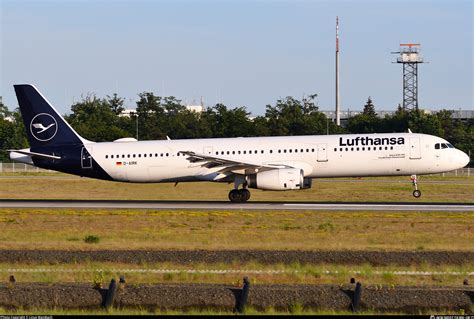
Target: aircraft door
{"type": "Point", "coordinates": [415, 151]}
{"type": "Point", "coordinates": [86, 158]}
{"type": "Point", "coordinates": [322, 153]}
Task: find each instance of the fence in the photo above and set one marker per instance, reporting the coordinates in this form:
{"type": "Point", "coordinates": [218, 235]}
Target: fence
{"type": "Point", "coordinates": [20, 167]}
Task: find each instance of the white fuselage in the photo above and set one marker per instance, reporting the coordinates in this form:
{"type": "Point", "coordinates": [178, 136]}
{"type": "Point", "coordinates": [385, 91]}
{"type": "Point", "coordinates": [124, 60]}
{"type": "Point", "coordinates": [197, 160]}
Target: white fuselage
{"type": "Point", "coordinates": [318, 156]}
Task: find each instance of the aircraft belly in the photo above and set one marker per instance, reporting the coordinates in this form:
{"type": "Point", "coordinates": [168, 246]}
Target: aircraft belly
{"type": "Point", "coordinates": [377, 164]}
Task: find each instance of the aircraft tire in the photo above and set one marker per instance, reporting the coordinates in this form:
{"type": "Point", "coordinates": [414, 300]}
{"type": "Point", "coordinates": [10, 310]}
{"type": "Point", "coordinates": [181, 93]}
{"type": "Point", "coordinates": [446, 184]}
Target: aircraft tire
{"type": "Point", "coordinates": [245, 194]}
{"type": "Point", "coordinates": [235, 196]}
{"type": "Point", "coordinates": [416, 193]}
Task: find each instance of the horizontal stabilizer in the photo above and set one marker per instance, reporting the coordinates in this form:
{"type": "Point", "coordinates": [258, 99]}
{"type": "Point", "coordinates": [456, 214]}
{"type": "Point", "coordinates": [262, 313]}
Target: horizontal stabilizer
{"type": "Point", "coordinates": [41, 155]}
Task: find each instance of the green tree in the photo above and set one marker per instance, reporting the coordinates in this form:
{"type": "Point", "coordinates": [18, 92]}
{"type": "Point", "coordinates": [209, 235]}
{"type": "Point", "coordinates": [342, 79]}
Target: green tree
{"type": "Point", "coordinates": [367, 121]}
{"type": "Point", "coordinates": [150, 114]}
{"type": "Point", "coordinates": [290, 116]}
{"type": "Point", "coordinates": [94, 119]}
{"type": "Point", "coordinates": [369, 108]}
{"type": "Point", "coordinates": [115, 103]}
{"type": "Point", "coordinates": [12, 132]}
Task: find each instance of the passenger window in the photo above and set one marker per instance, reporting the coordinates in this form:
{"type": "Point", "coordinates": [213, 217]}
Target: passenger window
{"type": "Point", "coordinates": [363, 148]}
{"type": "Point", "coordinates": [261, 151]}
{"type": "Point", "coordinates": [156, 154]}
{"type": "Point", "coordinates": [128, 155]}
{"type": "Point", "coordinates": [139, 155]}
{"type": "Point", "coordinates": [312, 150]}
{"type": "Point", "coordinates": [290, 150]}
{"type": "Point", "coordinates": [245, 152]}
{"type": "Point", "coordinates": [335, 149]}
{"type": "Point", "coordinates": [144, 155]}
{"type": "Point", "coordinates": [271, 151]}
{"type": "Point", "coordinates": [347, 149]}
{"type": "Point", "coordinates": [352, 148]}
{"type": "Point", "coordinates": [106, 156]}
{"type": "Point", "coordinates": [167, 154]}
{"type": "Point", "coordinates": [284, 151]}
{"type": "Point", "coordinates": [357, 149]}
{"type": "Point", "coordinates": [133, 155]}
{"type": "Point", "coordinates": [111, 156]}
{"type": "Point", "coordinates": [279, 151]}
{"type": "Point", "coordinates": [340, 149]}
{"type": "Point", "coordinates": [386, 147]}
{"type": "Point", "coordinates": [437, 146]}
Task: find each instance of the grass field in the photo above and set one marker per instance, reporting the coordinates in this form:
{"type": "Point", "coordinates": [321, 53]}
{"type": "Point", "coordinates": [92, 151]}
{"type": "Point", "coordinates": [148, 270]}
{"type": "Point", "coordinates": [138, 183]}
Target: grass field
{"type": "Point", "coordinates": [210, 230]}
{"type": "Point", "coordinates": [92, 272]}
{"type": "Point", "coordinates": [396, 189]}
{"type": "Point", "coordinates": [246, 229]}
{"type": "Point", "coordinates": [296, 310]}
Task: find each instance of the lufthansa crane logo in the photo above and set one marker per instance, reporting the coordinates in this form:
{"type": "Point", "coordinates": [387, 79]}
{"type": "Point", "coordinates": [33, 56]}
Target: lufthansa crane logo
{"type": "Point", "coordinates": [43, 127]}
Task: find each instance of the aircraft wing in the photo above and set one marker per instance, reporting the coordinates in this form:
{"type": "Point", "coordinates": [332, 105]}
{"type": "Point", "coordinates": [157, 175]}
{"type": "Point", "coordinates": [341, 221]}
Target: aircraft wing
{"type": "Point", "coordinates": [228, 165]}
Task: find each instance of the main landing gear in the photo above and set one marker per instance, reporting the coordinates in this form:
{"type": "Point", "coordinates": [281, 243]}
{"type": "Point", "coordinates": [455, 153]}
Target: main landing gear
{"type": "Point", "coordinates": [239, 195]}
{"type": "Point", "coordinates": [416, 192]}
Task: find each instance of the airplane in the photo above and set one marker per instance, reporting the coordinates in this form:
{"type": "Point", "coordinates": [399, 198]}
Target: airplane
{"type": "Point", "coordinates": [277, 163]}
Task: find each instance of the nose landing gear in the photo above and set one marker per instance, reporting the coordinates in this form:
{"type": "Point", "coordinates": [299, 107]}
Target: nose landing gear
{"type": "Point", "coordinates": [239, 195]}
{"type": "Point", "coordinates": [416, 192]}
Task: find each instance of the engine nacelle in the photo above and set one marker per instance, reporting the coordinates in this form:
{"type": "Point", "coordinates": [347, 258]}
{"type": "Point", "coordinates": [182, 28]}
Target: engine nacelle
{"type": "Point", "coordinates": [279, 179]}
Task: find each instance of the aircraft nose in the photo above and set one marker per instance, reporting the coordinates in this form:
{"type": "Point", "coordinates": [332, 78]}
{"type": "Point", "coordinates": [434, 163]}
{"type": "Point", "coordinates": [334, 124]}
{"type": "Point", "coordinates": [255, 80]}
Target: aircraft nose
{"type": "Point", "coordinates": [464, 159]}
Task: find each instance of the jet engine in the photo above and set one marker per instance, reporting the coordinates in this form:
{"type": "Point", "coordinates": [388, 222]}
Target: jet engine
{"type": "Point", "coordinates": [279, 179]}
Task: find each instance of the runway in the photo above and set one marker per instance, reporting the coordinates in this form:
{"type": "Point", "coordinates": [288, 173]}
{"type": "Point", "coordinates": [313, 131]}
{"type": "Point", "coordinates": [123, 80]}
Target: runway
{"type": "Point", "coordinates": [221, 205]}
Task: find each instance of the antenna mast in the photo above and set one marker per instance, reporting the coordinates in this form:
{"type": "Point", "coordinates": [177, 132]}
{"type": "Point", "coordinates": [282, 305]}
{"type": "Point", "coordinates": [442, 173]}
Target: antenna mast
{"type": "Point", "coordinates": [410, 58]}
{"type": "Point", "coordinates": [338, 117]}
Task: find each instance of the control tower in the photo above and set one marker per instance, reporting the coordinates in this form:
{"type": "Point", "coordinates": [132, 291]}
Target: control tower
{"type": "Point", "coordinates": [410, 58]}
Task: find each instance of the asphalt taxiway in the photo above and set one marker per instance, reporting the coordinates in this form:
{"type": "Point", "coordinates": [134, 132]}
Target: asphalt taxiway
{"type": "Point", "coordinates": [221, 205]}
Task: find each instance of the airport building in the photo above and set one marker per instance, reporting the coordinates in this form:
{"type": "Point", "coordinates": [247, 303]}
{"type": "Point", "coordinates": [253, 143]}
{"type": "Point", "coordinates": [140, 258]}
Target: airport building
{"type": "Point", "coordinates": [192, 108]}
{"type": "Point", "coordinates": [463, 115]}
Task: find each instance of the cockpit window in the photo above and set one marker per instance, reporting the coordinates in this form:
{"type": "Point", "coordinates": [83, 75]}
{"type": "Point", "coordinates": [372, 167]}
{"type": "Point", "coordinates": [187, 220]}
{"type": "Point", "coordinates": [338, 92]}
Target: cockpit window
{"type": "Point", "coordinates": [443, 146]}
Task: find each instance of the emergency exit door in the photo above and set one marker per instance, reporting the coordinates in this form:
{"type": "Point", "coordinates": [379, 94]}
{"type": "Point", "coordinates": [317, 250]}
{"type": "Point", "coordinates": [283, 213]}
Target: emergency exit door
{"type": "Point", "coordinates": [415, 150]}
{"type": "Point", "coordinates": [322, 153]}
{"type": "Point", "coordinates": [86, 158]}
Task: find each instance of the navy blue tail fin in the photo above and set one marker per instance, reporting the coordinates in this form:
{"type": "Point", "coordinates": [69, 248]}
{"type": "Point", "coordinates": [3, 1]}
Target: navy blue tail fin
{"type": "Point", "coordinates": [44, 125]}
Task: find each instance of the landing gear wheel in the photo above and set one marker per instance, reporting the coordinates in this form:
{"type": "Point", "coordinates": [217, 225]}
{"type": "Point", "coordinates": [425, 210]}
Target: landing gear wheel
{"type": "Point", "coordinates": [416, 193]}
{"type": "Point", "coordinates": [245, 194]}
{"type": "Point", "coordinates": [235, 196]}
{"type": "Point", "coordinates": [414, 181]}
{"type": "Point", "coordinates": [239, 195]}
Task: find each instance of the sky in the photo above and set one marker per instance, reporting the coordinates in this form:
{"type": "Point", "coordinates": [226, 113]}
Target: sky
{"type": "Point", "coordinates": [240, 53]}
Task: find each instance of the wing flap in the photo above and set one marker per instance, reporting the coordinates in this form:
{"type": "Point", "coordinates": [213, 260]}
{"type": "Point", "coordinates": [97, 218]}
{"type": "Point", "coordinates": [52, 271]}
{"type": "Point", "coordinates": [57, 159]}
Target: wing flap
{"type": "Point", "coordinates": [228, 165]}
